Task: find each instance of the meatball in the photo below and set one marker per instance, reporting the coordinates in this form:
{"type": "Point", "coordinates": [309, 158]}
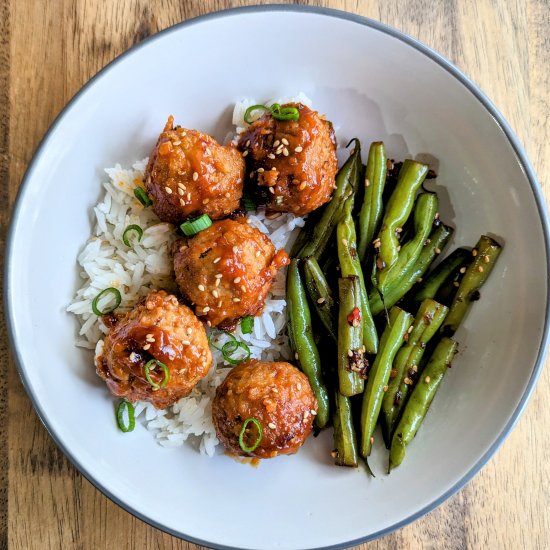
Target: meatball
{"type": "Point", "coordinates": [160, 328]}
{"type": "Point", "coordinates": [226, 270]}
{"type": "Point", "coordinates": [292, 163]}
{"type": "Point", "coordinates": [190, 173]}
{"type": "Point", "coordinates": [277, 395]}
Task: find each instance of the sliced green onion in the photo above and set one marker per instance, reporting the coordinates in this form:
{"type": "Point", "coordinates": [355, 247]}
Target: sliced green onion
{"type": "Point", "coordinates": [284, 113]}
{"type": "Point", "coordinates": [251, 109]}
{"type": "Point", "coordinates": [192, 227]}
{"type": "Point", "coordinates": [230, 348]}
{"type": "Point", "coordinates": [111, 290]}
{"type": "Point", "coordinates": [248, 203]}
{"type": "Point", "coordinates": [129, 229]}
{"type": "Point", "coordinates": [142, 196]}
{"type": "Point", "coordinates": [124, 426]}
{"type": "Point", "coordinates": [254, 446]}
{"type": "Point", "coordinates": [147, 369]}
{"type": "Point", "coordinates": [247, 324]}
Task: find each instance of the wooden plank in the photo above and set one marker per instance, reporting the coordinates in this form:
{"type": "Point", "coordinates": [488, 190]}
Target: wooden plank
{"type": "Point", "coordinates": [54, 47]}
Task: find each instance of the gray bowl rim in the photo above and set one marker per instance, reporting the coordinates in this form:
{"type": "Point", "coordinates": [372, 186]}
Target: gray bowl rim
{"type": "Point", "coordinates": [434, 56]}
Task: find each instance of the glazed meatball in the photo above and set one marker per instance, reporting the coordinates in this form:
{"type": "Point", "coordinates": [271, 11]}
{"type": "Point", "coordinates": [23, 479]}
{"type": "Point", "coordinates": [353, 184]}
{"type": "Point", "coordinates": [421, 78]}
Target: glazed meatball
{"type": "Point", "coordinates": [160, 328]}
{"type": "Point", "coordinates": [277, 395]}
{"type": "Point", "coordinates": [226, 271]}
{"type": "Point", "coordinates": [190, 173]}
{"type": "Point", "coordinates": [292, 164]}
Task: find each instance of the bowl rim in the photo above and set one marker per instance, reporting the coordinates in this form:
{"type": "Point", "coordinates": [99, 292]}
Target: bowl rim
{"type": "Point", "coordinates": [378, 26]}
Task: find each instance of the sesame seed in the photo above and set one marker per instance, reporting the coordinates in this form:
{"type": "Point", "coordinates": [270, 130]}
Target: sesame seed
{"type": "Point", "coordinates": [243, 288]}
{"type": "Point", "coordinates": [298, 386]}
{"type": "Point", "coordinates": [180, 184]}
{"type": "Point", "coordinates": [408, 381]}
{"type": "Point", "coordinates": [227, 195]}
{"type": "Point", "coordinates": [371, 440]}
{"type": "Point", "coordinates": [218, 275]}
{"type": "Point", "coordinates": [285, 141]}
{"type": "Point", "coordinates": [414, 368]}
{"type": "Point", "coordinates": [271, 156]}
{"type": "Point", "coordinates": [220, 304]}
{"type": "Point", "coordinates": [201, 288]}
{"type": "Point", "coordinates": [306, 414]}
{"type": "Point", "coordinates": [146, 346]}
{"type": "Point", "coordinates": [132, 356]}
{"type": "Point", "coordinates": [271, 190]}
{"type": "Point", "coordinates": [285, 152]}
{"type": "Point", "coordinates": [235, 249]}
{"type": "Point", "coordinates": [436, 217]}
{"type": "Point", "coordinates": [186, 342]}
{"type": "Point", "coordinates": [147, 336]}
{"type": "Point", "coordinates": [350, 353]}
{"type": "Point", "coordinates": [456, 283]}
{"type": "Point", "coordinates": [313, 412]}
{"type": "Point", "coordinates": [398, 248]}
{"type": "Point", "coordinates": [302, 186]}
{"type": "Point", "coordinates": [486, 259]}
{"type": "Point", "coordinates": [258, 252]}
{"type": "Point", "coordinates": [474, 252]}
{"type": "Point", "coordinates": [271, 425]}
{"type": "Point", "coordinates": [345, 242]}
{"type": "Point", "coordinates": [367, 182]}
{"type": "Point", "coordinates": [260, 170]}
{"type": "Point", "coordinates": [178, 142]}
{"type": "Point", "coordinates": [298, 149]}
{"type": "Point", "coordinates": [245, 153]}
{"type": "Point", "coordinates": [216, 260]}
{"type": "Point", "coordinates": [188, 196]}
{"type": "Point", "coordinates": [462, 270]}
{"type": "Point", "coordinates": [438, 250]}
{"type": "Point", "coordinates": [398, 229]}
{"type": "Point", "coordinates": [209, 323]}
{"type": "Point", "coordinates": [218, 282]}
{"type": "Point", "coordinates": [427, 379]}
{"type": "Point", "coordinates": [385, 388]}
{"type": "Point", "coordinates": [205, 309]}
{"type": "Point", "coordinates": [236, 300]}
{"type": "Point", "coordinates": [252, 174]}
{"type": "Point", "coordinates": [273, 168]}
{"type": "Point", "coordinates": [296, 356]}
{"type": "Point", "coordinates": [189, 331]}
{"type": "Point", "coordinates": [321, 300]}
{"type": "Point", "coordinates": [247, 143]}
{"type": "Point", "coordinates": [195, 176]}
{"type": "Point", "coordinates": [168, 190]}
{"type": "Point", "coordinates": [480, 269]}
{"type": "Point", "coordinates": [205, 201]}
{"type": "Point", "coordinates": [181, 192]}
{"type": "Point", "coordinates": [237, 280]}
{"type": "Point", "coordinates": [216, 294]}
{"type": "Point", "coordinates": [276, 142]}
{"type": "Point", "coordinates": [410, 329]}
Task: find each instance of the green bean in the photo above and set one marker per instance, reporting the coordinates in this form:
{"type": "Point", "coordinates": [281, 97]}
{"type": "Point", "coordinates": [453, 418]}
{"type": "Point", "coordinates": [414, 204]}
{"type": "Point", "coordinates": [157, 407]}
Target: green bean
{"type": "Point", "coordinates": [372, 207]}
{"type": "Point", "coordinates": [429, 287]}
{"type": "Point", "coordinates": [438, 240]}
{"type": "Point", "coordinates": [391, 341]}
{"type": "Point", "coordinates": [351, 266]}
{"type": "Point", "coordinates": [485, 255]}
{"type": "Point", "coordinates": [425, 211]}
{"type": "Point", "coordinates": [429, 318]}
{"type": "Point", "coordinates": [345, 442]}
{"type": "Point", "coordinates": [301, 337]}
{"type": "Point", "coordinates": [351, 358]}
{"type": "Point", "coordinates": [399, 207]}
{"type": "Point", "coordinates": [421, 399]}
{"type": "Point", "coordinates": [347, 183]}
{"type": "Point", "coordinates": [320, 295]}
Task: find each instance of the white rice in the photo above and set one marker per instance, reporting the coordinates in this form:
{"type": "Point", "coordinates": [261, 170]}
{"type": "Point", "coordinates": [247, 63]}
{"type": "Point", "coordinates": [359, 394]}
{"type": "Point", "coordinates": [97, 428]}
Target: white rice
{"type": "Point", "coordinates": [106, 261]}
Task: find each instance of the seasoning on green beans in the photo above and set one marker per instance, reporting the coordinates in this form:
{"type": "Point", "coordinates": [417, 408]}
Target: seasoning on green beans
{"type": "Point", "coordinates": [351, 355]}
{"type": "Point", "coordinates": [425, 212]}
{"type": "Point", "coordinates": [405, 371]}
{"type": "Point", "coordinates": [372, 207]}
{"type": "Point", "coordinates": [351, 266]}
{"type": "Point", "coordinates": [345, 441]}
{"type": "Point", "coordinates": [421, 399]}
{"type": "Point", "coordinates": [392, 338]}
{"type": "Point", "coordinates": [438, 240]}
{"type": "Point", "coordinates": [301, 338]}
{"type": "Point", "coordinates": [485, 254]}
{"type": "Point", "coordinates": [399, 207]}
{"type": "Point", "coordinates": [320, 296]}
{"type": "Point", "coordinates": [347, 183]}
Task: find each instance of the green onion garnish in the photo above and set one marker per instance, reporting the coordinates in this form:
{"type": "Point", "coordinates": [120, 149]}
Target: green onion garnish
{"type": "Point", "coordinates": [248, 203]}
{"type": "Point", "coordinates": [111, 290]}
{"type": "Point", "coordinates": [142, 196]}
{"type": "Point", "coordinates": [192, 227]}
{"type": "Point", "coordinates": [277, 112]}
{"type": "Point", "coordinates": [247, 324]}
{"type": "Point", "coordinates": [254, 446]}
{"type": "Point", "coordinates": [229, 348]}
{"type": "Point", "coordinates": [129, 229]}
{"type": "Point", "coordinates": [147, 369]}
{"type": "Point", "coordinates": [122, 424]}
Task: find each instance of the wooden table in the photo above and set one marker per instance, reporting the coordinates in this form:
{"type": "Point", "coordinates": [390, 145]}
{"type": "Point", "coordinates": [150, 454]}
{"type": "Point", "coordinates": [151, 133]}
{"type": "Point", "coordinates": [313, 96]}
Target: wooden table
{"type": "Point", "coordinates": [50, 48]}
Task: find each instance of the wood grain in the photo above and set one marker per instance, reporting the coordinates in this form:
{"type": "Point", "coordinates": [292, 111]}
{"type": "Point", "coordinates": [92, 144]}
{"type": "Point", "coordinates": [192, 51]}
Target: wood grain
{"type": "Point", "coordinates": [49, 49]}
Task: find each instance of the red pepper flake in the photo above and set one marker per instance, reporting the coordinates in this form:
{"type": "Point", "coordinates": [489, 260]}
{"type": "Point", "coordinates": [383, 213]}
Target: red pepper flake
{"type": "Point", "coordinates": [354, 318]}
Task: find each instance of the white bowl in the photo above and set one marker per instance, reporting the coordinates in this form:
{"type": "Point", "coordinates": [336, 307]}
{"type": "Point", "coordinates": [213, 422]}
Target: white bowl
{"type": "Point", "coordinates": [374, 83]}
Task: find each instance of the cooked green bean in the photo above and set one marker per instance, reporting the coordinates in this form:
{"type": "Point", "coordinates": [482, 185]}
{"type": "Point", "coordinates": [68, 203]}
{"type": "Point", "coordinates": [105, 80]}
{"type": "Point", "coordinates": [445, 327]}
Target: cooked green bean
{"type": "Point", "coordinates": [345, 442]}
{"type": "Point", "coordinates": [428, 288]}
{"type": "Point", "coordinates": [372, 207]}
{"type": "Point", "coordinates": [392, 339]}
{"type": "Point", "coordinates": [399, 207]}
{"type": "Point", "coordinates": [347, 183]}
{"type": "Point", "coordinates": [429, 318]}
{"type": "Point", "coordinates": [301, 337]}
{"type": "Point", "coordinates": [485, 255]}
{"type": "Point", "coordinates": [351, 266]}
{"type": "Point", "coordinates": [351, 355]}
{"type": "Point", "coordinates": [438, 240]}
{"type": "Point", "coordinates": [421, 399]}
{"type": "Point", "coordinates": [425, 210]}
{"type": "Point", "coordinates": [320, 295]}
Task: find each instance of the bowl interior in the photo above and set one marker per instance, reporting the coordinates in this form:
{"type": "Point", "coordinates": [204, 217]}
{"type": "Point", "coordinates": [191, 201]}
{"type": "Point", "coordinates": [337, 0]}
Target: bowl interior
{"type": "Point", "coordinates": [371, 85]}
